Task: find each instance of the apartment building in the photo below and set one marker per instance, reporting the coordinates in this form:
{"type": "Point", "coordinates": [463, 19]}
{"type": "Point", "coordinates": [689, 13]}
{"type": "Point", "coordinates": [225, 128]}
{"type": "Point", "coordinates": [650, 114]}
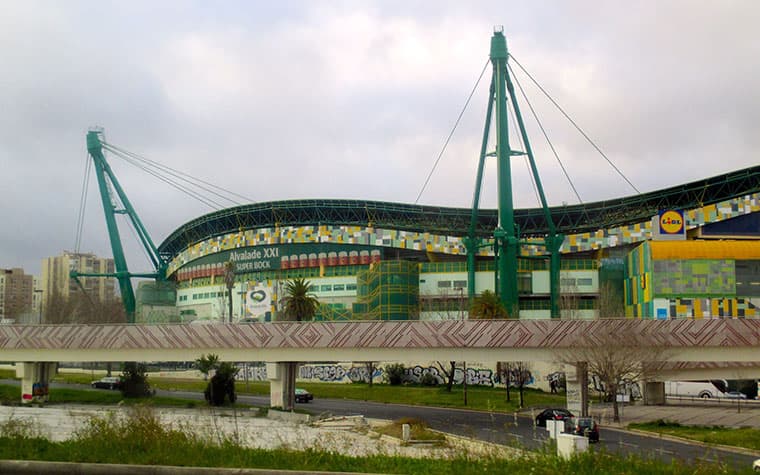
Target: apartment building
{"type": "Point", "coordinates": [56, 279]}
{"type": "Point", "coordinates": [16, 291]}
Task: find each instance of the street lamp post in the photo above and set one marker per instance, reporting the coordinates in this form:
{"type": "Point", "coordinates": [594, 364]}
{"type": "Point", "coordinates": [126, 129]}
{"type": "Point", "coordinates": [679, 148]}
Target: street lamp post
{"type": "Point", "coordinates": [39, 291]}
{"type": "Point", "coordinates": [229, 279]}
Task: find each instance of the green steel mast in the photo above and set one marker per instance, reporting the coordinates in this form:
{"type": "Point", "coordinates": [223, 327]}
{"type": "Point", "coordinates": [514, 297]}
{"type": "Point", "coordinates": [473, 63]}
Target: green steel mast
{"type": "Point", "coordinates": [105, 176]}
{"type": "Point", "coordinates": [506, 234]}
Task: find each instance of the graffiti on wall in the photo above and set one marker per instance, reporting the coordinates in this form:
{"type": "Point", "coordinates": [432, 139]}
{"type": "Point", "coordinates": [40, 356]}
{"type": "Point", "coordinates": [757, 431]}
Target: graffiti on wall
{"type": "Point", "coordinates": [336, 373]}
{"type": "Point", "coordinates": [627, 387]}
{"type": "Point", "coordinates": [248, 372]}
{"type": "Point", "coordinates": [339, 373]}
{"type": "Point", "coordinates": [475, 376]}
{"type": "Point", "coordinates": [514, 377]}
{"type": "Point", "coordinates": [557, 380]}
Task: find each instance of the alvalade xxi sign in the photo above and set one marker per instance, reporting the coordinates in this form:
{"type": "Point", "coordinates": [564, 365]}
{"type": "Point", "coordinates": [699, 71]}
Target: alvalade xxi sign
{"type": "Point", "coordinates": [285, 256]}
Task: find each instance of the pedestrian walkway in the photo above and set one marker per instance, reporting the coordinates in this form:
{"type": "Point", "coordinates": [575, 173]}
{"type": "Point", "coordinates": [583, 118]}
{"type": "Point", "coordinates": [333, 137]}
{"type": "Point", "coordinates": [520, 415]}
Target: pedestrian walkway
{"type": "Point", "coordinates": [727, 414]}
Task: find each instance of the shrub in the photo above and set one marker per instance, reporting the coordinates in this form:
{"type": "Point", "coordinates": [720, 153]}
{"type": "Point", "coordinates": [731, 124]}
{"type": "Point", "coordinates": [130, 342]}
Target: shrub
{"type": "Point", "coordinates": [134, 381]}
{"type": "Point", "coordinates": [222, 385]}
{"type": "Point", "coordinates": [394, 373]}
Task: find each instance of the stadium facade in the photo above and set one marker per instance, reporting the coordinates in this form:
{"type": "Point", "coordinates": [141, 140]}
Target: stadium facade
{"type": "Point", "coordinates": [691, 250]}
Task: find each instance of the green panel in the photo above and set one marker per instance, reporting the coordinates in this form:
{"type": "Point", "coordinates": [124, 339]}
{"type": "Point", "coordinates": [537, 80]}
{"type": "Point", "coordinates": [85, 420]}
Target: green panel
{"type": "Point", "coordinates": [694, 278]}
{"type": "Point", "coordinates": [157, 293]}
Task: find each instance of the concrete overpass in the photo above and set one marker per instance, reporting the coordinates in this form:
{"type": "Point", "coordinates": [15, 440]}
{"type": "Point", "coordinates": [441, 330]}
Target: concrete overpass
{"type": "Point", "coordinates": [692, 344]}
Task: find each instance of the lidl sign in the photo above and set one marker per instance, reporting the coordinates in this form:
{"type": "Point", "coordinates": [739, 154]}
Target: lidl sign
{"type": "Point", "coordinates": [671, 222]}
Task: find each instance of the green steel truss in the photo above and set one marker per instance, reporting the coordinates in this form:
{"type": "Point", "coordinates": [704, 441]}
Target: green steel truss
{"type": "Point", "coordinates": [109, 186]}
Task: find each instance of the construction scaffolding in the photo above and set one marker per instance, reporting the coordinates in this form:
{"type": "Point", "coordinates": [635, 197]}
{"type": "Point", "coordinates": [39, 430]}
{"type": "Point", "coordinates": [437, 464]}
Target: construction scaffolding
{"type": "Point", "coordinates": [388, 290]}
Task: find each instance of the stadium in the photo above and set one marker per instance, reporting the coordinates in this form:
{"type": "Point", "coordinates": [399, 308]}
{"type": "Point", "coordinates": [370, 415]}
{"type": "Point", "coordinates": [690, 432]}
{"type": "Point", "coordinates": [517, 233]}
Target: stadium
{"type": "Point", "coordinates": [689, 251]}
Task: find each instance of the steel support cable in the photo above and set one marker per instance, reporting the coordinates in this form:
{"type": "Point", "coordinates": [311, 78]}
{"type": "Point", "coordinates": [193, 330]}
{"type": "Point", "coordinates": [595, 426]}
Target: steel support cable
{"type": "Point", "coordinates": [546, 136]}
{"type": "Point", "coordinates": [577, 127]}
{"type": "Point", "coordinates": [82, 204]}
{"type": "Point", "coordinates": [193, 194]}
{"type": "Point", "coordinates": [123, 154]}
{"type": "Point", "coordinates": [170, 181]}
{"type": "Point", "coordinates": [164, 178]}
{"type": "Point", "coordinates": [446, 143]}
{"type": "Point", "coordinates": [179, 173]}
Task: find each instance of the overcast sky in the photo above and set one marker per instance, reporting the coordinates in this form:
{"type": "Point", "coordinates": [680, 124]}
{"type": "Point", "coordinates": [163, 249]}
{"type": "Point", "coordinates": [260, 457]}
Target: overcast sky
{"type": "Point", "coordinates": [321, 99]}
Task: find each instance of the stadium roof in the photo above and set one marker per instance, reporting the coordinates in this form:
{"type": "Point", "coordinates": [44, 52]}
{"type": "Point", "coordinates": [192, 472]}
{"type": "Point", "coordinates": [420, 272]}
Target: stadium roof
{"type": "Point", "coordinates": [587, 217]}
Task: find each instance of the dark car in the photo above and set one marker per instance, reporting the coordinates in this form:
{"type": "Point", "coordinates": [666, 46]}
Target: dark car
{"type": "Point", "coordinates": [552, 414]}
{"type": "Point", "coordinates": [584, 426]}
{"type": "Point", "coordinates": [303, 395]}
{"type": "Point", "coordinates": [108, 382]}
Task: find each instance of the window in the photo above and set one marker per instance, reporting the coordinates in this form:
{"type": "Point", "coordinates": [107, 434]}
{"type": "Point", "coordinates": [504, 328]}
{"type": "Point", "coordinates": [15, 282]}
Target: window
{"type": "Point", "coordinates": [326, 288]}
{"type": "Point", "coordinates": [747, 278]}
{"type": "Point", "coordinates": [460, 284]}
{"type": "Point", "coordinates": [350, 286]}
{"type": "Point", "coordinates": [444, 284]}
{"type": "Point", "coordinates": [585, 281]}
{"type": "Point", "coordinates": [338, 287]}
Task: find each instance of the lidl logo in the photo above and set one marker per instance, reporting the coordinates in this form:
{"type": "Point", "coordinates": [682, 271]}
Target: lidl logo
{"type": "Point", "coordinates": [671, 222]}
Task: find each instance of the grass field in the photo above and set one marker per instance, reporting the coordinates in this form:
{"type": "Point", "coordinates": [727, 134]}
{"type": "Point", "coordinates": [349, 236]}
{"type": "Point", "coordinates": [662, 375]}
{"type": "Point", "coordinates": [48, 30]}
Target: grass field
{"type": "Point", "coordinates": [745, 437]}
{"type": "Point", "coordinates": [478, 397]}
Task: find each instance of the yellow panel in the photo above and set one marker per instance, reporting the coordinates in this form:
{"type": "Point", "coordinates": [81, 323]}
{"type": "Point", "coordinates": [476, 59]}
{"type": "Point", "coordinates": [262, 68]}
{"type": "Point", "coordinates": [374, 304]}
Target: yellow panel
{"type": "Point", "coordinates": [705, 250]}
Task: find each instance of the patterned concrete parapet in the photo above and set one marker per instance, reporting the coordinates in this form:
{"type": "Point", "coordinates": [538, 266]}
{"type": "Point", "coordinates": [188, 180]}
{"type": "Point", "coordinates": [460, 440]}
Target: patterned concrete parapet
{"type": "Point", "coordinates": [453, 334]}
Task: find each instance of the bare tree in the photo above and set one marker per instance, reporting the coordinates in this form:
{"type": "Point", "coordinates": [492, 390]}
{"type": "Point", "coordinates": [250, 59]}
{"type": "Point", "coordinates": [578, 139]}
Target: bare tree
{"type": "Point", "coordinates": [370, 366]}
{"type": "Point", "coordinates": [448, 373]}
{"type": "Point", "coordinates": [569, 303]}
{"type": "Point", "coordinates": [610, 301]}
{"type": "Point", "coordinates": [614, 359]}
{"type": "Point", "coordinates": [503, 370]}
{"type": "Point", "coordinates": [521, 376]}
{"type": "Point", "coordinates": [81, 308]}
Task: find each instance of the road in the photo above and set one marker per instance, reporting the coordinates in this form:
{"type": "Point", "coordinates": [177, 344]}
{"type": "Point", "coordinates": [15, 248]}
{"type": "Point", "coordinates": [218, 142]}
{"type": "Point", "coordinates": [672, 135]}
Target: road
{"type": "Point", "coordinates": [498, 428]}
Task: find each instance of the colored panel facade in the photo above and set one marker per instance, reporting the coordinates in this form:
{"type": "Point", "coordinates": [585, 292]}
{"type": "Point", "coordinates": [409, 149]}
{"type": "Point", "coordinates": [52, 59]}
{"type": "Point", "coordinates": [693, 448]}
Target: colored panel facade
{"type": "Point", "coordinates": [659, 285]}
{"type": "Point", "coordinates": [694, 278]}
{"type": "Point", "coordinates": [638, 294]}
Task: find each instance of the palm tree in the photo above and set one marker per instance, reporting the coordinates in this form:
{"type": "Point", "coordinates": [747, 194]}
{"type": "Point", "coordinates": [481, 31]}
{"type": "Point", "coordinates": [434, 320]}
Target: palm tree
{"type": "Point", "coordinates": [487, 306]}
{"type": "Point", "coordinates": [300, 303]}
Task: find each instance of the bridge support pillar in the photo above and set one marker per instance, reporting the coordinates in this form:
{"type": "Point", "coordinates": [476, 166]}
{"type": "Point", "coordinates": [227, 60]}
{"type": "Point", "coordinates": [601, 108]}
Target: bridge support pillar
{"type": "Point", "coordinates": [576, 378]}
{"type": "Point", "coordinates": [35, 378]}
{"type": "Point", "coordinates": [654, 393]}
{"type": "Point", "coordinates": [282, 384]}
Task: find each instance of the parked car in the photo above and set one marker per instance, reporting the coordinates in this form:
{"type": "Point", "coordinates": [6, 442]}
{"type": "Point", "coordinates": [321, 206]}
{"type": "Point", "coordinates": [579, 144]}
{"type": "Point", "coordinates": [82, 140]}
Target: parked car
{"type": "Point", "coordinates": [735, 395]}
{"type": "Point", "coordinates": [108, 382]}
{"type": "Point", "coordinates": [585, 426]}
{"type": "Point", "coordinates": [553, 414]}
{"type": "Point", "coordinates": [303, 395]}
